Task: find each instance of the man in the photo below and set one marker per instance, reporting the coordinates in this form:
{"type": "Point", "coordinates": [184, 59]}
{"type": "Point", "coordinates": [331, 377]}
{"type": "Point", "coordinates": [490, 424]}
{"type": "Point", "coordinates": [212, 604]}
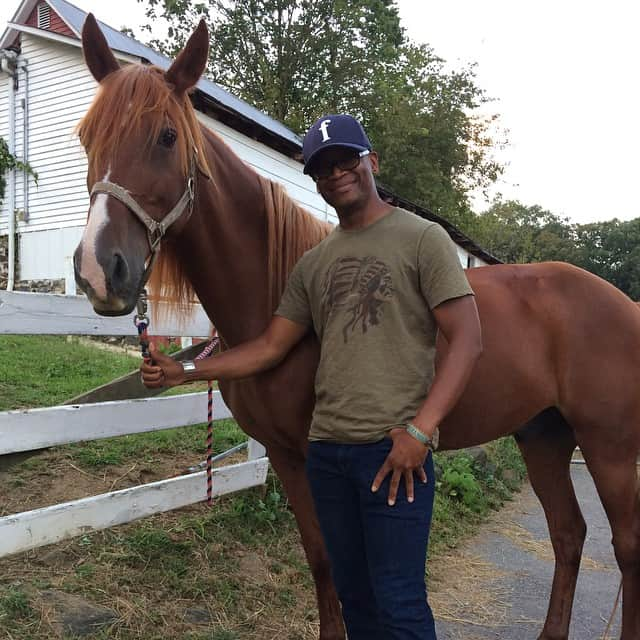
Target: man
{"type": "Point", "coordinates": [375, 291]}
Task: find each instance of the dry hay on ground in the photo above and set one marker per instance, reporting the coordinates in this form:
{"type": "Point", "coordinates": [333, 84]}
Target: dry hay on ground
{"type": "Point", "coordinates": [199, 586]}
{"type": "Point", "coordinates": [466, 589]}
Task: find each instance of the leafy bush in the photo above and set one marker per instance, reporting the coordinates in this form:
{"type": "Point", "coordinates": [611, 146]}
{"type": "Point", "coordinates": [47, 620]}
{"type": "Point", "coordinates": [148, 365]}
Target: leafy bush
{"type": "Point", "coordinates": [468, 488]}
{"type": "Point", "coordinates": [459, 481]}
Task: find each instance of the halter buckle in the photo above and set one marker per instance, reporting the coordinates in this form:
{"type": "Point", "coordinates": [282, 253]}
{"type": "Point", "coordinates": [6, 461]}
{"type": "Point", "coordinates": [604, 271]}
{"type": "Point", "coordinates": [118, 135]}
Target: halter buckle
{"type": "Point", "coordinates": [141, 305]}
{"type": "Point", "coordinates": [155, 236]}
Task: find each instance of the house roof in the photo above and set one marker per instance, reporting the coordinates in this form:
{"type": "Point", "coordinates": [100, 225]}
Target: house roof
{"type": "Point", "coordinates": [75, 17]}
{"type": "Point", "coordinates": [230, 109]}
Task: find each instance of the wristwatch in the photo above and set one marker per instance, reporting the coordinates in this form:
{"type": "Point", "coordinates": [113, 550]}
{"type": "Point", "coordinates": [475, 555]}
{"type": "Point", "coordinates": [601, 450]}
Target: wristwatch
{"type": "Point", "coordinates": [188, 366]}
{"type": "Point", "coordinates": [421, 436]}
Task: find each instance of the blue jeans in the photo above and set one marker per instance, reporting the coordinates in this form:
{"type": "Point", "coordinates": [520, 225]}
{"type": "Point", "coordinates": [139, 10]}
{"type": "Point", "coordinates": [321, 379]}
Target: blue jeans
{"type": "Point", "coordinates": [377, 552]}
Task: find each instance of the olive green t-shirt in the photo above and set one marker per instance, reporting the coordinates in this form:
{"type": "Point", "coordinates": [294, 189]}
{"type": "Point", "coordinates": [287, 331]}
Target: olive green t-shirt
{"type": "Point", "coordinates": [368, 295]}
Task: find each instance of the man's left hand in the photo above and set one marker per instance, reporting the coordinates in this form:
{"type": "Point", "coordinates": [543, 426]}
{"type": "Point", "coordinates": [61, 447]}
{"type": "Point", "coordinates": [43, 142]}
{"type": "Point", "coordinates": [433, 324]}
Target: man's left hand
{"type": "Point", "coordinates": [406, 457]}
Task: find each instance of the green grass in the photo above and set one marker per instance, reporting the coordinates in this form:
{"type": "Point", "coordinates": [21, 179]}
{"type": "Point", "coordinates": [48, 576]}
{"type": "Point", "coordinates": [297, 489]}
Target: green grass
{"type": "Point", "coordinates": [147, 447]}
{"type": "Point", "coordinates": [42, 371]}
{"type": "Point", "coordinates": [14, 604]}
{"type": "Point", "coordinates": [249, 517]}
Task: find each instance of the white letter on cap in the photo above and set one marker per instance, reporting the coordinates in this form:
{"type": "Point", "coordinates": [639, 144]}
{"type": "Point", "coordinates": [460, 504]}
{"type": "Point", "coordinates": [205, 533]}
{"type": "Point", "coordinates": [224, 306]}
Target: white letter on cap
{"type": "Point", "coordinates": [323, 128]}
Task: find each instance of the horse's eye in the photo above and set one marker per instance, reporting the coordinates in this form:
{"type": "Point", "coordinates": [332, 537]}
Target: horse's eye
{"type": "Point", "coordinates": [168, 138]}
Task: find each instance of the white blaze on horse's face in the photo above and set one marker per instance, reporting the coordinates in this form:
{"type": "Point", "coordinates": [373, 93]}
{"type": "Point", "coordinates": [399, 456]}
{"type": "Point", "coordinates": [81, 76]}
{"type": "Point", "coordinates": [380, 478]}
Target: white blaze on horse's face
{"type": "Point", "coordinates": [90, 269]}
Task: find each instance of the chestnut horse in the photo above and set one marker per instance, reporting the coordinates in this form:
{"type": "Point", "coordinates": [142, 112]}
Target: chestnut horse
{"type": "Point", "coordinates": [561, 355]}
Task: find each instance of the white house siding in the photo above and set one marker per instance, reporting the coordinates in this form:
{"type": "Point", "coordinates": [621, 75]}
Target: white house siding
{"type": "Point", "coordinates": [60, 92]}
{"type": "Point", "coordinates": [468, 261]}
{"type": "Point", "coordinates": [274, 166]}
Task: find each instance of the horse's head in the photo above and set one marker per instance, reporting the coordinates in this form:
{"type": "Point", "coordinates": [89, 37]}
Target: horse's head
{"type": "Point", "coordinates": [142, 142]}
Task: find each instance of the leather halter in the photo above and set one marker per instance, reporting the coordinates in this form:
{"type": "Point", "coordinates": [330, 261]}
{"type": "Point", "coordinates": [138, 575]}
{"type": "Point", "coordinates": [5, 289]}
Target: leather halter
{"type": "Point", "coordinates": [155, 230]}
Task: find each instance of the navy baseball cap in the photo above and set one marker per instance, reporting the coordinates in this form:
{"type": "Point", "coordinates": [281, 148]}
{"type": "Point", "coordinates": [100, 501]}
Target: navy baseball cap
{"type": "Point", "coordinates": [333, 131]}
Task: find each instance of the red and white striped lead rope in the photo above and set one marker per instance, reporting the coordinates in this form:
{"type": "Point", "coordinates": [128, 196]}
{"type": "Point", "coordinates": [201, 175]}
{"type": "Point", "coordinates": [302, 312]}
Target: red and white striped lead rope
{"type": "Point", "coordinates": [205, 353]}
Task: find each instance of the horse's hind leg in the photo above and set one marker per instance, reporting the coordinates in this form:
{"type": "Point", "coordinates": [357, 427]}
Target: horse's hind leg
{"type": "Point", "coordinates": [613, 465]}
{"type": "Point", "coordinates": [289, 465]}
{"type": "Point", "coordinates": [546, 443]}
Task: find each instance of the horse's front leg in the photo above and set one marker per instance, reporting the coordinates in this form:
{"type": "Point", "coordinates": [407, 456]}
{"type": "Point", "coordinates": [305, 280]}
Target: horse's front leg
{"type": "Point", "coordinates": [289, 465]}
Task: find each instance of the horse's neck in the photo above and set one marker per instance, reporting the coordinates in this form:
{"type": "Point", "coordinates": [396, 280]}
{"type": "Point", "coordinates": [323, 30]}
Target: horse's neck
{"type": "Point", "coordinates": [225, 246]}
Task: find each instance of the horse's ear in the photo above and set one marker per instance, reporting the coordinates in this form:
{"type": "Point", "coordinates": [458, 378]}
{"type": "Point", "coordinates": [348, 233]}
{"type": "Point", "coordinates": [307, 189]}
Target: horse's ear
{"type": "Point", "coordinates": [97, 54]}
{"type": "Point", "coordinates": [191, 62]}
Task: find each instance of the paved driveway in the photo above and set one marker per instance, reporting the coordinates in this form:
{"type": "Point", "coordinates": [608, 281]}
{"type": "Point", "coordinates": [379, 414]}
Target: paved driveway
{"type": "Point", "coordinates": [497, 586]}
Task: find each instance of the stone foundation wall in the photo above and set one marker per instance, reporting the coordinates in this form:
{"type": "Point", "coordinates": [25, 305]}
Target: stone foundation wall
{"type": "Point", "coordinates": [40, 286]}
{"type": "Point", "coordinates": [54, 285]}
{"type": "Point", "coordinates": [4, 261]}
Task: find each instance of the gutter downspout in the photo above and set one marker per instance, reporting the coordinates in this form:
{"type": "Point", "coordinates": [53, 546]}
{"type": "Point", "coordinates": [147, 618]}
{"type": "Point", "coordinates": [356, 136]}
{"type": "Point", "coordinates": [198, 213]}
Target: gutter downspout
{"type": "Point", "coordinates": [8, 65]}
{"type": "Point", "coordinates": [23, 66]}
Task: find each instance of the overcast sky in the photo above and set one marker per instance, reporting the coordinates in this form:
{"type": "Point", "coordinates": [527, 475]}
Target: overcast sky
{"type": "Point", "coordinates": [564, 76]}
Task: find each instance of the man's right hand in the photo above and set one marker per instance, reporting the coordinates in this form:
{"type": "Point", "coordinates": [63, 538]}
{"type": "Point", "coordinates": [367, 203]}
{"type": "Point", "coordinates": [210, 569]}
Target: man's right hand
{"type": "Point", "coordinates": [161, 370]}
{"type": "Point", "coordinates": [243, 361]}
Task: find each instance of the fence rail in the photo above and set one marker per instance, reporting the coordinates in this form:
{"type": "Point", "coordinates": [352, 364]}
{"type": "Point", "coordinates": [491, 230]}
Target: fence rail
{"type": "Point", "coordinates": [31, 429]}
{"type": "Point", "coordinates": [31, 529]}
{"type": "Point", "coordinates": [52, 314]}
{"type": "Point", "coordinates": [27, 430]}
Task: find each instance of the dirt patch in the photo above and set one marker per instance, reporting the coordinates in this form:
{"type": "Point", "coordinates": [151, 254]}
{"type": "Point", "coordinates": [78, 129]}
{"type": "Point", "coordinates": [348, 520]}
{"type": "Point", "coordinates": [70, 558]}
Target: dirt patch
{"type": "Point", "coordinates": [70, 614]}
{"type": "Point", "coordinates": [254, 567]}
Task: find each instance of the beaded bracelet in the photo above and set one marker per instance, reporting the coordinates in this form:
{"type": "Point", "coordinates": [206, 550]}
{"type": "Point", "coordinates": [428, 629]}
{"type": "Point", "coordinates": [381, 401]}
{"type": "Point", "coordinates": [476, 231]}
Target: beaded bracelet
{"type": "Point", "coordinates": [420, 436]}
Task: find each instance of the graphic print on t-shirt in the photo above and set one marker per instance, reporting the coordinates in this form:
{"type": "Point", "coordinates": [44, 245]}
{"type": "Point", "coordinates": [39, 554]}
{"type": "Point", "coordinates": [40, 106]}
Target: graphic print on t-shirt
{"type": "Point", "coordinates": [358, 287]}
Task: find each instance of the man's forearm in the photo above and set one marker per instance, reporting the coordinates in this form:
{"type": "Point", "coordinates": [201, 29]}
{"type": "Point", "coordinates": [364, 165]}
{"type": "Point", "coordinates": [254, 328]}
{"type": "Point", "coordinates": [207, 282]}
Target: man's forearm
{"type": "Point", "coordinates": [451, 379]}
{"type": "Point", "coordinates": [242, 361]}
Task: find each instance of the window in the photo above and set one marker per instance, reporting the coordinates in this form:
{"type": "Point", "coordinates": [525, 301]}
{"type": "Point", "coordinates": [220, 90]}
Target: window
{"type": "Point", "coordinates": [44, 16]}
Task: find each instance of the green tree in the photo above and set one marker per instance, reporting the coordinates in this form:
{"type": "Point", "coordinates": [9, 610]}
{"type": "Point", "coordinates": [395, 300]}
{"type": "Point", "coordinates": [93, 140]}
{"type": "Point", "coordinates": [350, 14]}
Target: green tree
{"type": "Point", "coordinates": [611, 250]}
{"type": "Point", "coordinates": [288, 58]}
{"type": "Point", "coordinates": [434, 150]}
{"type": "Point", "coordinates": [298, 59]}
{"type": "Point", "coordinates": [517, 233]}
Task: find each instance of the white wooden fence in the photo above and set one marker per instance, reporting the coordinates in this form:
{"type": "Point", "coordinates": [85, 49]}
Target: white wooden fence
{"type": "Point", "coordinates": [28, 313]}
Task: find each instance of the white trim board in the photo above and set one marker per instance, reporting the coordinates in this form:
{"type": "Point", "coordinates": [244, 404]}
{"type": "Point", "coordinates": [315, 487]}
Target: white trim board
{"type": "Point", "coordinates": [56, 37]}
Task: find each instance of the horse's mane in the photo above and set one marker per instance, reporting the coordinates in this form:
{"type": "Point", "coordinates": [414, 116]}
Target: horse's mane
{"type": "Point", "coordinates": [141, 92]}
{"type": "Point", "coordinates": [136, 97]}
{"type": "Point", "coordinates": [291, 231]}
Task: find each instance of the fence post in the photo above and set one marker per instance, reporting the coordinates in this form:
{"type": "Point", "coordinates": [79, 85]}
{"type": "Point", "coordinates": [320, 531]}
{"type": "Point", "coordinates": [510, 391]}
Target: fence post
{"type": "Point", "coordinates": [256, 450]}
{"type": "Point", "coordinates": [69, 277]}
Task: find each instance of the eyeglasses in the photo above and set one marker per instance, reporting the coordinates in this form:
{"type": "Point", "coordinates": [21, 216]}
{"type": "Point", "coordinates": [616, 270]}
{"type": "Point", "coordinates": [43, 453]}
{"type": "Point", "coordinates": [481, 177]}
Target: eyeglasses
{"type": "Point", "coordinates": [347, 162]}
